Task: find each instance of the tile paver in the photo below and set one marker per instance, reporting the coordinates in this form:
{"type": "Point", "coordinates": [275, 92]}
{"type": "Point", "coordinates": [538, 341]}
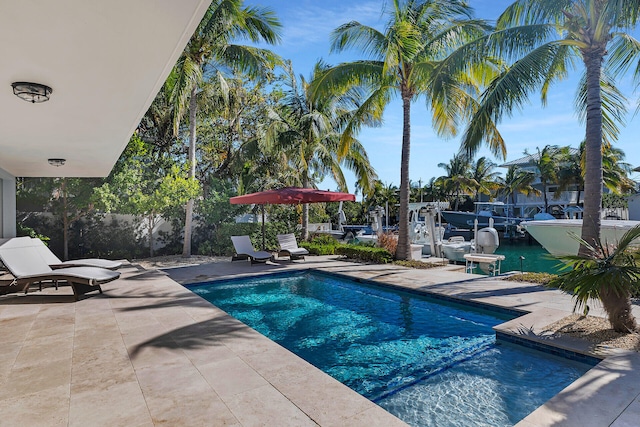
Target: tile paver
{"type": "Point", "coordinates": [150, 352]}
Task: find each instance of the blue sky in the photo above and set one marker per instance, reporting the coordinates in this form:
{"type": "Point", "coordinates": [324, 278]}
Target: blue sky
{"type": "Point", "coordinates": [306, 28]}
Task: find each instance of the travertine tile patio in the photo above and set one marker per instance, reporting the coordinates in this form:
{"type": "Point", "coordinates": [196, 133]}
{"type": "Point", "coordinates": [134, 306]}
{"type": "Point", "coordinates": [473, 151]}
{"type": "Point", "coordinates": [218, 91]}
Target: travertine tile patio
{"type": "Point", "coordinates": [150, 352]}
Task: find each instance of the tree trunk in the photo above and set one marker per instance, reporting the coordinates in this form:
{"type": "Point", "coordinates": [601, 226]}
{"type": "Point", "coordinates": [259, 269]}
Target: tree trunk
{"type": "Point", "coordinates": [150, 219]}
{"type": "Point", "coordinates": [404, 249]}
{"type": "Point", "coordinates": [618, 308]}
{"type": "Point", "coordinates": [193, 108]}
{"type": "Point", "coordinates": [593, 150]}
{"type": "Point", "coordinates": [544, 194]}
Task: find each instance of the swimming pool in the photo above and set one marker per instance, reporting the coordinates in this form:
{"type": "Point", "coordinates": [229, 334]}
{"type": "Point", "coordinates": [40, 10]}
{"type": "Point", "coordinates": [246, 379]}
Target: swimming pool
{"type": "Point", "coordinates": [429, 362]}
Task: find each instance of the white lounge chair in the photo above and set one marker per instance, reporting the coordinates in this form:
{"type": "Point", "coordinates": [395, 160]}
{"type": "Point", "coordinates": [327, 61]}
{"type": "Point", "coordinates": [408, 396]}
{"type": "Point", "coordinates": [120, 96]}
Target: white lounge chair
{"type": "Point", "coordinates": [55, 262]}
{"type": "Point", "coordinates": [27, 266]}
{"type": "Point", "coordinates": [289, 247]}
{"type": "Point", "coordinates": [244, 250]}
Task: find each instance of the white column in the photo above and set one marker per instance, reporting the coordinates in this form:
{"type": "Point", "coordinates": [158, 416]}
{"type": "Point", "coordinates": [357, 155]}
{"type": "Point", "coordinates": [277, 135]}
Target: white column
{"type": "Point", "coordinates": [7, 204]}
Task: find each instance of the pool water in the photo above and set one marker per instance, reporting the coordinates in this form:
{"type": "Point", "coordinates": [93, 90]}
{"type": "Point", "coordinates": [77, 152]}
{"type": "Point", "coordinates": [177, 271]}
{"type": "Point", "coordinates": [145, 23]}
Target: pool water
{"type": "Point", "coordinates": [429, 362]}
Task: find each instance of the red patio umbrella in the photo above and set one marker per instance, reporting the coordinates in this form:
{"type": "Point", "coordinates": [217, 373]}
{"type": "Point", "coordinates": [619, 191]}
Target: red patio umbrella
{"type": "Point", "coordinates": [290, 196]}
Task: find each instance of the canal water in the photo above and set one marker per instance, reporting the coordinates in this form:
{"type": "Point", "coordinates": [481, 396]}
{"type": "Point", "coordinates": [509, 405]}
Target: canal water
{"type": "Point", "coordinates": [535, 258]}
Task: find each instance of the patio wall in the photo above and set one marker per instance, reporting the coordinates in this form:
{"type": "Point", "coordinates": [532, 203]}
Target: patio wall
{"type": "Point", "coordinates": [7, 204]}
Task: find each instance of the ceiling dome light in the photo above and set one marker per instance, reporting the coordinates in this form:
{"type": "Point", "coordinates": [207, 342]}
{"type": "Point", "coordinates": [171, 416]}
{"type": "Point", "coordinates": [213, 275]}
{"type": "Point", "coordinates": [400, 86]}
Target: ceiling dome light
{"type": "Point", "coordinates": [57, 162]}
{"type": "Point", "coordinates": [31, 92]}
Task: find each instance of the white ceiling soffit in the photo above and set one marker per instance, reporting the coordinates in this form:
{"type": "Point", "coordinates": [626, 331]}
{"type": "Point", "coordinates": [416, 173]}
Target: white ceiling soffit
{"type": "Point", "coordinates": [104, 60]}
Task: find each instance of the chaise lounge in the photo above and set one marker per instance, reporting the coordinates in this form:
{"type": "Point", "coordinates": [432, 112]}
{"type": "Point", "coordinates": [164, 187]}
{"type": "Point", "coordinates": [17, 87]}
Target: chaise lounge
{"type": "Point", "coordinates": [27, 266]}
{"type": "Point", "coordinates": [244, 250]}
{"type": "Point", "coordinates": [55, 262]}
{"type": "Point", "coordinates": [289, 247]}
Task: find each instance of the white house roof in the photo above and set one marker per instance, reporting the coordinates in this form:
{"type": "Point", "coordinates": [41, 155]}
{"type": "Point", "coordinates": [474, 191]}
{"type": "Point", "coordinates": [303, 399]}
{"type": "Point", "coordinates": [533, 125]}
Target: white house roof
{"type": "Point", "coordinates": [104, 60]}
{"type": "Point", "coordinates": [530, 159]}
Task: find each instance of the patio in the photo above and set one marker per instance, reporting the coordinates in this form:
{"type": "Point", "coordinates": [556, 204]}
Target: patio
{"type": "Point", "coordinates": [150, 352]}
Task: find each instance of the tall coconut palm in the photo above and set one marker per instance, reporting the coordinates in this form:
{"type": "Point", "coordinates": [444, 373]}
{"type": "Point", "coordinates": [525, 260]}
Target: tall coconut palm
{"type": "Point", "coordinates": [546, 162]}
{"type": "Point", "coordinates": [482, 172]}
{"type": "Point", "coordinates": [570, 173]}
{"type": "Point", "coordinates": [545, 38]}
{"type": "Point", "coordinates": [458, 179]}
{"type": "Point", "coordinates": [208, 54]}
{"type": "Point", "coordinates": [615, 171]}
{"type": "Point", "coordinates": [424, 50]}
{"type": "Point", "coordinates": [308, 132]}
{"type": "Point", "coordinates": [517, 180]}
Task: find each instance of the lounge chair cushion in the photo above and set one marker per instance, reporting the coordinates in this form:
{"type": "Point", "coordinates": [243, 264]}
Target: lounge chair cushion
{"type": "Point", "coordinates": [243, 246]}
{"type": "Point", "coordinates": [55, 262]}
{"type": "Point", "coordinates": [288, 244]}
{"type": "Point", "coordinates": [24, 261]}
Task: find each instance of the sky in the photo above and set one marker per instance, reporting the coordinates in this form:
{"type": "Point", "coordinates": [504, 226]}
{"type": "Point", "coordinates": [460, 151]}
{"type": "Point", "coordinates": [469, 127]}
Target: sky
{"type": "Point", "coordinates": [307, 25]}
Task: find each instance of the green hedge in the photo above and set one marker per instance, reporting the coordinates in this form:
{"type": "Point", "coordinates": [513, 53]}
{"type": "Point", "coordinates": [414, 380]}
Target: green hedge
{"type": "Point", "coordinates": [365, 253]}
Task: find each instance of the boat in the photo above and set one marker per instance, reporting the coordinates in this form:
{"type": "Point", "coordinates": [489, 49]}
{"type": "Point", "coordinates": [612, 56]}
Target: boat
{"type": "Point", "coordinates": [560, 236]}
{"type": "Point", "coordinates": [422, 225]}
{"type": "Point", "coordinates": [497, 211]}
{"type": "Point", "coordinates": [486, 242]}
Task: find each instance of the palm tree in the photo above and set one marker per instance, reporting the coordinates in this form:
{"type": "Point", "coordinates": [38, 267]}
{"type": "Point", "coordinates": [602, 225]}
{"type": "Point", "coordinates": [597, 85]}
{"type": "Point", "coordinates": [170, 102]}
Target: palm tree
{"type": "Point", "coordinates": [308, 132]}
{"type": "Point", "coordinates": [547, 164]}
{"type": "Point", "coordinates": [517, 180]}
{"type": "Point", "coordinates": [615, 171]}
{"type": "Point", "coordinates": [570, 173]}
{"type": "Point", "coordinates": [207, 55]}
{"type": "Point", "coordinates": [609, 274]}
{"type": "Point", "coordinates": [546, 37]}
{"type": "Point", "coordinates": [423, 51]}
{"type": "Point", "coordinates": [483, 176]}
{"type": "Point", "coordinates": [382, 195]}
{"type": "Point", "coordinates": [458, 179]}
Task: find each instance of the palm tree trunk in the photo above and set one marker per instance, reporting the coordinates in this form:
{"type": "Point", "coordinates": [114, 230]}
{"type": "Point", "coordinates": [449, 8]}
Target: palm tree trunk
{"type": "Point", "coordinates": [593, 150]}
{"type": "Point", "coordinates": [404, 249]}
{"type": "Point", "coordinates": [618, 308]}
{"type": "Point", "coordinates": [186, 248]}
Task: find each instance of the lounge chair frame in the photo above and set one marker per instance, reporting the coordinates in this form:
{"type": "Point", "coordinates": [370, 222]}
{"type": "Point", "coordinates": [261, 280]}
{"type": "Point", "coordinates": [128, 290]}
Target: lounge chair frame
{"type": "Point", "coordinates": [289, 247]}
{"type": "Point", "coordinates": [244, 250]}
{"type": "Point", "coordinates": [27, 266]}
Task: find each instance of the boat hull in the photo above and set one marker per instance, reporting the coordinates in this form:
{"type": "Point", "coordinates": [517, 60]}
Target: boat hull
{"type": "Point", "coordinates": [558, 236]}
{"type": "Point", "coordinates": [466, 220]}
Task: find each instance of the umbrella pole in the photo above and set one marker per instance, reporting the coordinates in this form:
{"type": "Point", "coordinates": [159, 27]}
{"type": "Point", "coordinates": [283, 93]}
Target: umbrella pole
{"type": "Point", "coordinates": [264, 246]}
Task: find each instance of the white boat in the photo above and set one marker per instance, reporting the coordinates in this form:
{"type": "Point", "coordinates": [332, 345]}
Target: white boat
{"type": "Point", "coordinates": [422, 224]}
{"type": "Point", "coordinates": [455, 248]}
{"type": "Point", "coordinates": [486, 242]}
{"type": "Point", "coordinates": [559, 236]}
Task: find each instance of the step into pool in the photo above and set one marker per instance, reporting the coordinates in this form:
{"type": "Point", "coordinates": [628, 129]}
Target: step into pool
{"type": "Point", "coordinates": [429, 362]}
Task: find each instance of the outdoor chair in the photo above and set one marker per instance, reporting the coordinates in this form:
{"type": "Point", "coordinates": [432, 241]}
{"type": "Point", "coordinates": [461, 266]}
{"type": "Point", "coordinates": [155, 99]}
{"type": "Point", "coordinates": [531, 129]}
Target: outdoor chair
{"type": "Point", "coordinates": [27, 266]}
{"type": "Point", "coordinates": [289, 247]}
{"type": "Point", "coordinates": [244, 250]}
{"type": "Point", "coordinates": [55, 262]}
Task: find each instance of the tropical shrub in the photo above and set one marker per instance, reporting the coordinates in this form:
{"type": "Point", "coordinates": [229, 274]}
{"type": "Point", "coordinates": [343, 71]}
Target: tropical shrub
{"type": "Point", "coordinates": [388, 241]}
{"type": "Point", "coordinates": [320, 244]}
{"type": "Point", "coordinates": [412, 263]}
{"type": "Point", "coordinates": [541, 278]}
{"type": "Point", "coordinates": [365, 253]}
